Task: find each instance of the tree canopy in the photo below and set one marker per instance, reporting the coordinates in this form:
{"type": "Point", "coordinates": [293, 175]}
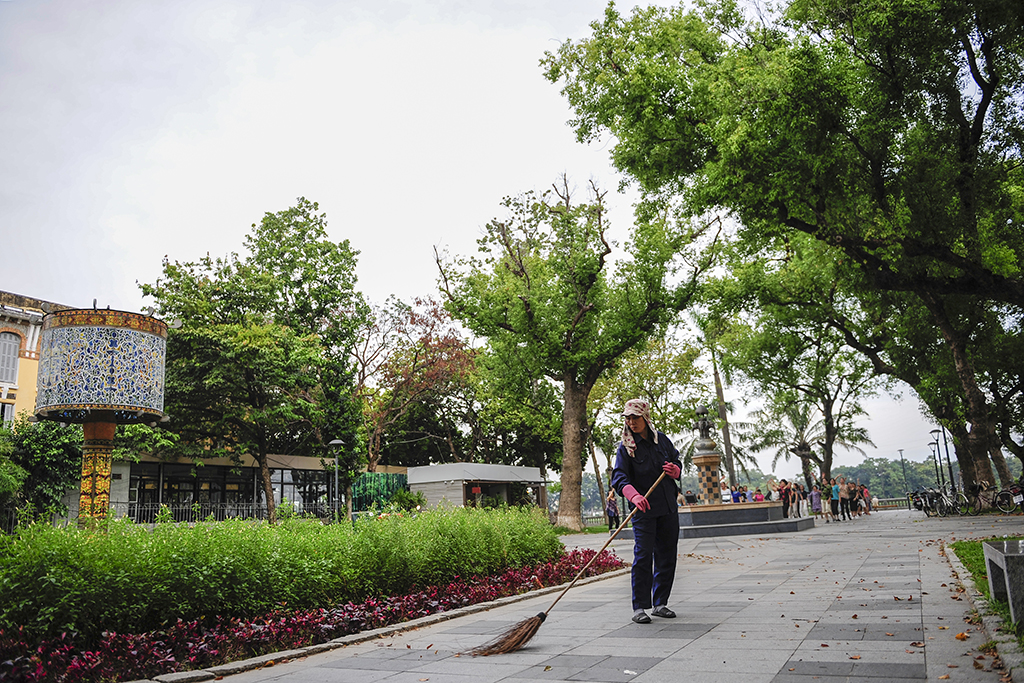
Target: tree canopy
{"type": "Point", "coordinates": [890, 133]}
{"type": "Point", "coordinates": [545, 290]}
{"type": "Point", "coordinates": [260, 363]}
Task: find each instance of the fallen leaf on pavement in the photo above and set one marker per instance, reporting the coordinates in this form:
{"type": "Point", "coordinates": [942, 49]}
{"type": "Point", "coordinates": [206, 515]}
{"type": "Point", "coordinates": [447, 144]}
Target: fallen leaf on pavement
{"type": "Point", "coordinates": [962, 636]}
{"type": "Point", "coordinates": [854, 656]}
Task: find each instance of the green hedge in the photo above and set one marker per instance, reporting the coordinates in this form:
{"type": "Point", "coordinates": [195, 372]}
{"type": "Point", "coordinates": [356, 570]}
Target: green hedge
{"type": "Point", "coordinates": [128, 578]}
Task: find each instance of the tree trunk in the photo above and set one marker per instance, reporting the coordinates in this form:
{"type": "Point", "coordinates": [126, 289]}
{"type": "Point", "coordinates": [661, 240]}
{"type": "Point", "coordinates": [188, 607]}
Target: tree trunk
{"type": "Point", "coordinates": [968, 473]}
{"type": "Point", "coordinates": [830, 439]}
{"type": "Point", "coordinates": [981, 439]}
{"type": "Point", "coordinates": [574, 433]}
{"type": "Point", "coordinates": [723, 416]}
{"type": "Point", "coordinates": [805, 467]}
{"type": "Point", "coordinates": [373, 450]}
{"type": "Point", "coordinates": [268, 486]}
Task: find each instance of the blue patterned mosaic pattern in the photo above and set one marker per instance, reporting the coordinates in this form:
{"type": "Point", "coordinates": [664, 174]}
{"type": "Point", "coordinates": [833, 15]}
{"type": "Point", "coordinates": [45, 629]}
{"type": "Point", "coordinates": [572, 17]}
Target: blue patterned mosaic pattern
{"type": "Point", "coordinates": [111, 363]}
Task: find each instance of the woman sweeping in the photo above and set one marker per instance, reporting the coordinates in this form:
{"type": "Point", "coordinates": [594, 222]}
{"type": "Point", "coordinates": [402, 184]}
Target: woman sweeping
{"type": "Point", "coordinates": [642, 456]}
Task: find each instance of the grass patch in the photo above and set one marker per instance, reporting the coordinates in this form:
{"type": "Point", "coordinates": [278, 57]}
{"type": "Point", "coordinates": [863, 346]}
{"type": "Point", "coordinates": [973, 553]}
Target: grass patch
{"type": "Point", "coordinates": [972, 555]}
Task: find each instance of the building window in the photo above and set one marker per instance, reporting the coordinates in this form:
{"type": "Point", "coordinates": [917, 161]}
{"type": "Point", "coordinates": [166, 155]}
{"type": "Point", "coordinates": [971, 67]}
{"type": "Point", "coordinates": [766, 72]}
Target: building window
{"type": "Point", "coordinates": [6, 415]}
{"type": "Point", "coordinates": [9, 345]}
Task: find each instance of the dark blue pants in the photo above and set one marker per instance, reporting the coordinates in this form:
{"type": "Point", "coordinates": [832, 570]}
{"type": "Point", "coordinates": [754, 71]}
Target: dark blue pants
{"type": "Point", "coordinates": [657, 540]}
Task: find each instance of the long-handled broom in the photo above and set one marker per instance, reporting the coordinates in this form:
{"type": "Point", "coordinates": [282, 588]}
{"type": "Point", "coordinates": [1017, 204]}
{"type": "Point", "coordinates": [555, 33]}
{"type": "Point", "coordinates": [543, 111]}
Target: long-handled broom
{"type": "Point", "coordinates": [520, 634]}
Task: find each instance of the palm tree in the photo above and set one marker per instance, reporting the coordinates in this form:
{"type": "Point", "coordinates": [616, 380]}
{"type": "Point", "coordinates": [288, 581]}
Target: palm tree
{"type": "Point", "coordinates": [796, 428]}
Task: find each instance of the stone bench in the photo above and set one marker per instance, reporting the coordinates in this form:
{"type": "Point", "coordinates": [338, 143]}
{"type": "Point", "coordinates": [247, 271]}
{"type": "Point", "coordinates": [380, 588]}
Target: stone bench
{"type": "Point", "coordinates": [1004, 561]}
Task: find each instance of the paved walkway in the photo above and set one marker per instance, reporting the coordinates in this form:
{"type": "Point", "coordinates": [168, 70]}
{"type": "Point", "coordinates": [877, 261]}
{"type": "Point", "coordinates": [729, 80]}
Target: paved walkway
{"type": "Point", "coordinates": [867, 600]}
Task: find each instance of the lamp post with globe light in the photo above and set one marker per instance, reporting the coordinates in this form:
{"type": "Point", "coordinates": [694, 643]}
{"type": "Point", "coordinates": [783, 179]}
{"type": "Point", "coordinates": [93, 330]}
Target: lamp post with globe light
{"type": "Point", "coordinates": [939, 479]}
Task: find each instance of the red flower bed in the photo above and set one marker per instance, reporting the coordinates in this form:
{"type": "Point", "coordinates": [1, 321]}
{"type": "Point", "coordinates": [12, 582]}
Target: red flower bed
{"type": "Point", "coordinates": [200, 644]}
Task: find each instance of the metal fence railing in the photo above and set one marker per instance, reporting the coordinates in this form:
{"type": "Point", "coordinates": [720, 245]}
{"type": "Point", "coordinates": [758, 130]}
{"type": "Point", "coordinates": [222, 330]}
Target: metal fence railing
{"type": "Point", "coordinates": [150, 513]}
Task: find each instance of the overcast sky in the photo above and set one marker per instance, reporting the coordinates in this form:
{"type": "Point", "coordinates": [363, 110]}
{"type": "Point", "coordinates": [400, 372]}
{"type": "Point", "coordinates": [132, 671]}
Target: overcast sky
{"type": "Point", "coordinates": [131, 131]}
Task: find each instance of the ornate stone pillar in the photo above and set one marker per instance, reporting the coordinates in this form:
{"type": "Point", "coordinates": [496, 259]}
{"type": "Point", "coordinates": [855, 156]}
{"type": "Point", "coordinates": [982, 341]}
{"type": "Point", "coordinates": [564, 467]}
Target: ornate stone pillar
{"type": "Point", "coordinates": [97, 449]}
{"type": "Point", "coordinates": [706, 459]}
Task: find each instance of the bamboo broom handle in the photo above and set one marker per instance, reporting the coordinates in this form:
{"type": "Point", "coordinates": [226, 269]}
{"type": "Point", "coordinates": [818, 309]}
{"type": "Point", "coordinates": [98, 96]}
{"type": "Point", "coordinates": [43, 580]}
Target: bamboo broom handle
{"type": "Point", "coordinates": [610, 539]}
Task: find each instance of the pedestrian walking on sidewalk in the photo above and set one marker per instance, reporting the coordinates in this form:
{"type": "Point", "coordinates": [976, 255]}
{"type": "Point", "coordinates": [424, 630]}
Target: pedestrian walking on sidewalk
{"type": "Point", "coordinates": [611, 508]}
{"type": "Point", "coordinates": [643, 454]}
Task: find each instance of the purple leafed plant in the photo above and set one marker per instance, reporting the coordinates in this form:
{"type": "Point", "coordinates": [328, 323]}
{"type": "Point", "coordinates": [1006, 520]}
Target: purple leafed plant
{"type": "Point", "coordinates": [198, 644]}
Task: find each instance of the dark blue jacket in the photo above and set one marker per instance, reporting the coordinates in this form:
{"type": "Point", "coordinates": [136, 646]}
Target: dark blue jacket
{"type": "Point", "coordinates": [643, 469]}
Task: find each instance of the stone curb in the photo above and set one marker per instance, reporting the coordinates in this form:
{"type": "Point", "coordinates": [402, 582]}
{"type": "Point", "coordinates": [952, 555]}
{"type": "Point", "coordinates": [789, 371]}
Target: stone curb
{"type": "Point", "coordinates": [1006, 645]}
{"type": "Point", "coordinates": [364, 636]}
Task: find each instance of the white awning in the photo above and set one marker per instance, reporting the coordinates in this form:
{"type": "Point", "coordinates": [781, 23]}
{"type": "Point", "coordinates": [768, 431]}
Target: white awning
{"type": "Point", "coordinates": [472, 471]}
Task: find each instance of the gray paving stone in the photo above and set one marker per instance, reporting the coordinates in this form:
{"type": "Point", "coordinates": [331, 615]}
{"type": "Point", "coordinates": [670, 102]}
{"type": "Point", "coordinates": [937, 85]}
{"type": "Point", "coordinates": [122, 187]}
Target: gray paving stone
{"type": "Point", "coordinates": [731, 595]}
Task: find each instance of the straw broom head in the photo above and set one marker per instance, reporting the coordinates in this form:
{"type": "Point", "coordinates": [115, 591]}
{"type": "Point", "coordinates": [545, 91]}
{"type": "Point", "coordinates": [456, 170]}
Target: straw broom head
{"type": "Point", "coordinates": [512, 639]}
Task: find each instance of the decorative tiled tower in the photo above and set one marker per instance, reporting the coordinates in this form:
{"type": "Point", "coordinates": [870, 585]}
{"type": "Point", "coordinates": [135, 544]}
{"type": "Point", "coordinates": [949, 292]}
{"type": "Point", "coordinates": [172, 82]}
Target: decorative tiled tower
{"type": "Point", "coordinates": [706, 459]}
{"type": "Point", "coordinates": [100, 368]}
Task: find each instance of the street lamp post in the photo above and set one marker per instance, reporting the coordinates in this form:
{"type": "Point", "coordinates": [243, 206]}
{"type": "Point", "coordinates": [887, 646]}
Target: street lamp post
{"type": "Point", "coordinates": [945, 444]}
{"type": "Point", "coordinates": [939, 478]}
{"type": "Point", "coordinates": [334, 447]}
{"type": "Point", "coordinates": [906, 486]}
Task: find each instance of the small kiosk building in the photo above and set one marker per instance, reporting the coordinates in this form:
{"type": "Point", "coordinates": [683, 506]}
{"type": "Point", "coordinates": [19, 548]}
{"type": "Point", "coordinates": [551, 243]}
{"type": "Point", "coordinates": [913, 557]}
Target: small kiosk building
{"type": "Point", "coordinates": [470, 483]}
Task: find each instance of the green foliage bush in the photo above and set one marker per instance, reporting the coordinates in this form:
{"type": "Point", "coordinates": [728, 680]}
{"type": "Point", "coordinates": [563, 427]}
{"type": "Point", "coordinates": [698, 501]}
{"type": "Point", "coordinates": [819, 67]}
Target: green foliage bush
{"type": "Point", "coordinates": [127, 578]}
{"type": "Point", "coordinates": [404, 499]}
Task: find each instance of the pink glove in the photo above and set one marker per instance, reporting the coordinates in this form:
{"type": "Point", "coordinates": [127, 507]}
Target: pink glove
{"type": "Point", "coordinates": [671, 469]}
{"type": "Point", "coordinates": [636, 498]}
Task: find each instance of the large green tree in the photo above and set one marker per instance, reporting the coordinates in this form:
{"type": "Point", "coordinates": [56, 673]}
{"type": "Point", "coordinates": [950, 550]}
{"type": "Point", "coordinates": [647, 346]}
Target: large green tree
{"type": "Point", "coordinates": [889, 131]}
{"type": "Point", "coordinates": [45, 463]}
{"type": "Point", "coordinates": [260, 363]}
{"type": "Point", "coordinates": [543, 286]}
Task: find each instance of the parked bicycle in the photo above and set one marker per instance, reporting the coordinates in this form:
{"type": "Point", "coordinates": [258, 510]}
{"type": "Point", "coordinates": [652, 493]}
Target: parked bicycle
{"type": "Point", "coordinates": [1011, 497]}
{"type": "Point", "coordinates": [981, 496]}
{"type": "Point", "coordinates": [950, 502]}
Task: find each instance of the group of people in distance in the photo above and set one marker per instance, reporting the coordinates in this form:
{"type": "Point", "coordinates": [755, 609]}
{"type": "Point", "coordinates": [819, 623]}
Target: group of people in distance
{"type": "Point", "coordinates": [839, 499]}
{"type": "Point", "coordinates": [793, 496]}
{"type": "Point", "coordinates": [833, 499]}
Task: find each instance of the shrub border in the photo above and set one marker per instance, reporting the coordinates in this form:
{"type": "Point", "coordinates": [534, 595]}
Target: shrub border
{"type": "Point", "coordinates": [1006, 645]}
{"type": "Point", "coordinates": [275, 658]}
